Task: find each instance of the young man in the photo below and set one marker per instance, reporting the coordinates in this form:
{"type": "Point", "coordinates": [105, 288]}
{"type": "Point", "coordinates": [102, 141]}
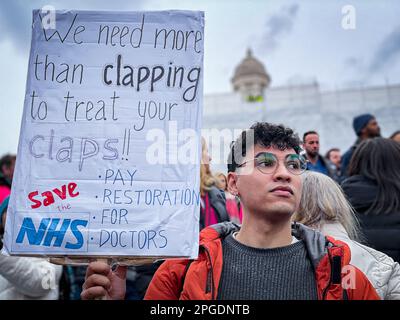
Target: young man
{"type": "Point", "coordinates": [265, 258]}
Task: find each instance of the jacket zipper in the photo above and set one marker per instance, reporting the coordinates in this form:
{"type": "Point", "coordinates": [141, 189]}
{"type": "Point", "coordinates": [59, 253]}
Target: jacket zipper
{"type": "Point", "coordinates": [330, 277]}
{"type": "Point", "coordinates": [209, 279]}
{"type": "Point", "coordinates": [326, 289]}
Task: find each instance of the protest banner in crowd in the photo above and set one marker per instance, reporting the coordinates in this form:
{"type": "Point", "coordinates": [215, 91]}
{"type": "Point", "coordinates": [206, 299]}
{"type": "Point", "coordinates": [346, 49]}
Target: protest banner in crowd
{"type": "Point", "coordinates": [109, 150]}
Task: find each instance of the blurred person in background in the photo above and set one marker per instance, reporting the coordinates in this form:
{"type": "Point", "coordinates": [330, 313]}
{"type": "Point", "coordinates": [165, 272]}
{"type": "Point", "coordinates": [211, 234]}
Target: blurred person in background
{"type": "Point", "coordinates": [316, 162]}
{"type": "Point", "coordinates": [334, 160]}
{"type": "Point", "coordinates": [334, 156]}
{"type": "Point", "coordinates": [23, 278]}
{"type": "Point", "coordinates": [366, 127]}
{"type": "Point", "coordinates": [233, 205]}
{"type": "Point", "coordinates": [395, 136]}
{"type": "Point", "coordinates": [213, 202]}
{"type": "Point", "coordinates": [221, 181]}
{"type": "Point", "coordinates": [373, 190]}
{"type": "Point", "coordinates": [7, 165]}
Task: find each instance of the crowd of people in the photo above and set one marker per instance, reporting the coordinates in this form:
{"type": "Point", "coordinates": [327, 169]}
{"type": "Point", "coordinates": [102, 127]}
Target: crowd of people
{"type": "Point", "coordinates": [284, 223]}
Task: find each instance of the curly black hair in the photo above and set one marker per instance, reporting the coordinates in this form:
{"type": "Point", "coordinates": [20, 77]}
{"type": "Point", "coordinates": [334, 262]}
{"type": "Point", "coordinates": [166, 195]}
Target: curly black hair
{"type": "Point", "coordinates": [264, 134]}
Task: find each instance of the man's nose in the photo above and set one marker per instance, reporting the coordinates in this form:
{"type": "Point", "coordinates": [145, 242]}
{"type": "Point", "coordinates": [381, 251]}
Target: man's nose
{"type": "Point", "coordinates": [282, 173]}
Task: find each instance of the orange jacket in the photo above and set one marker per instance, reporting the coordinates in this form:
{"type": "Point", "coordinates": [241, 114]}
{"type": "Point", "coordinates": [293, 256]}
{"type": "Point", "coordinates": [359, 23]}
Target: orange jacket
{"type": "Point", "coordinates": [199, 279]}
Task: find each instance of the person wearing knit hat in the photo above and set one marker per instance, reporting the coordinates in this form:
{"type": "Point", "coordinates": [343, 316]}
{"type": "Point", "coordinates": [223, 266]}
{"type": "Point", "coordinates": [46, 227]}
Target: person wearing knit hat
{"type": "Point", "coordinates": [363, 122]}
{"type": "Point", "coordinates": [366, 127]}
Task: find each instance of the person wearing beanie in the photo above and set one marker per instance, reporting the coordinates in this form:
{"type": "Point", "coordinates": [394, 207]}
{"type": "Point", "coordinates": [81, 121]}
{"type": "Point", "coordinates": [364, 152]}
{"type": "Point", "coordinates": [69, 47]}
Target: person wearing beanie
{"type": "Point", "coordinates": [366, 127]}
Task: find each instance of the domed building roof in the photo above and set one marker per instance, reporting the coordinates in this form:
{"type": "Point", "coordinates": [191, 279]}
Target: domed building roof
{"type": "Point", "coordinates": [250, 75]}
{"type": "Point", "coordinates": [250, 66]}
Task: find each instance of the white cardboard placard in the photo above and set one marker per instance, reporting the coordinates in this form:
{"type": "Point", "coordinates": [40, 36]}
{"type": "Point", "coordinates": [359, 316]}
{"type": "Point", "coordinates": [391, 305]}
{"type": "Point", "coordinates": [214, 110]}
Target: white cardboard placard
{"type": "Point", "coordinates": [103, 89]}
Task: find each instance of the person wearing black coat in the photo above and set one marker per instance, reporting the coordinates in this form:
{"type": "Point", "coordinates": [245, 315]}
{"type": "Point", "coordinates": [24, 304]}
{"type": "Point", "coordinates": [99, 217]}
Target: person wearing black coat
{"type": "Point", "coordinates": [373, 189]}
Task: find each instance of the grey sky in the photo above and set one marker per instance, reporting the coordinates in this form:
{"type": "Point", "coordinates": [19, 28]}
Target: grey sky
{"type": "Point", "coordinates": [277, 25]}
{"type": "Point", "coordinates": [297, 41]}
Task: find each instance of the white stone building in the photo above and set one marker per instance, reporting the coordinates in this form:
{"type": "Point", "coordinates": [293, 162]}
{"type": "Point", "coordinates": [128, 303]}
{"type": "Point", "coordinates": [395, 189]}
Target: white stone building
{"type": "Point", "coordinates": [300, 107]}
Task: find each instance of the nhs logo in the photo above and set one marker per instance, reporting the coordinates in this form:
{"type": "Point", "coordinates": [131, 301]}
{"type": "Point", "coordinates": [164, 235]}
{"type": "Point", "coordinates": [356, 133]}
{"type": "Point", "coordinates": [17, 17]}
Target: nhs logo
{"type": "Point", "coordinates": [50, 233]}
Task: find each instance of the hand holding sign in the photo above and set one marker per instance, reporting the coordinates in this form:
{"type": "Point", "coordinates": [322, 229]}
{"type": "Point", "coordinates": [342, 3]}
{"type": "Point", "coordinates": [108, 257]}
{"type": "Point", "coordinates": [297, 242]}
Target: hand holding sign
{"type": "Point", "coordinates": [101, 282]}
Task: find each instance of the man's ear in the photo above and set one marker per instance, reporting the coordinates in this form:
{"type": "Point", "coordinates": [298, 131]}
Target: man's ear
{"type": "Point", "coordinates": [363, 132]}
{"type": "Point", "coordinates": [232, 183]}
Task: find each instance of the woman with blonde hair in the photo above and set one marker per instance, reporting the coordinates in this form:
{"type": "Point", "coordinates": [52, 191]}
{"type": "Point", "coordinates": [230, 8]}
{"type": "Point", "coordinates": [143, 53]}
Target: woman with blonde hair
{"type": "Point", "coordinates": [212, 207]}
{"type": "Point", "coordinates": [323, 206]}
{"type": "Point", "coordinates": [233, 205]}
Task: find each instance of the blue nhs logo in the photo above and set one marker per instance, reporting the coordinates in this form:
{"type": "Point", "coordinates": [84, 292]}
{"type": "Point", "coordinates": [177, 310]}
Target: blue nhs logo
{"type": "Point", "coordinates": [50, 233]}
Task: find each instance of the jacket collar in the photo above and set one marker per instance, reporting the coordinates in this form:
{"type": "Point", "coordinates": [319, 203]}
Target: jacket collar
{"type": "Point", "coordinates": [216, 231]}
{"type": "Point", "coordinates": [334, 229]}
{"type": "Point", "coordinates": [316, 243]}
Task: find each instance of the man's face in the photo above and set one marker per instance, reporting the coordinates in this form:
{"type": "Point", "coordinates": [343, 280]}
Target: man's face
{"type": "Point", "coordinates": [311, 145]}
{"type": "Point", "coordinates": [372, 129]}
{"type": "Point", "coordinates": [274, 195]}
{"type": "Point", "coordinates": [335, 158]}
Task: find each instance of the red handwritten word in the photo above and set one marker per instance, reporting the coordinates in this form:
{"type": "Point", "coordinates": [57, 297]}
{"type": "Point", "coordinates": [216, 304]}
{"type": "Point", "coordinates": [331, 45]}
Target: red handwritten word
{"type": "Point", "coordinates": [48, 197]}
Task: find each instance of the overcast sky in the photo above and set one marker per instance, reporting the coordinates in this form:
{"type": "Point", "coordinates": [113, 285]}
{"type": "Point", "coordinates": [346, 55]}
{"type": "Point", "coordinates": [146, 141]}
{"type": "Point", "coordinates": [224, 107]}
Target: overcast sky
{"type": "Point", "coordinates": [298, 41]}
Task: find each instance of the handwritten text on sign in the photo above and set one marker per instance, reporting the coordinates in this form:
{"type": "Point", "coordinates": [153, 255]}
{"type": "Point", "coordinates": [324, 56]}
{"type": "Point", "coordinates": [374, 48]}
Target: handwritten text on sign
{"type": "Point", "coordinates": [100, 85]}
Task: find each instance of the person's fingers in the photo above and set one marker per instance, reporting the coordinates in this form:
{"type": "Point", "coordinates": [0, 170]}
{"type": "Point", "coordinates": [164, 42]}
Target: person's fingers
{"type": "Point", "coordinates": [93, 293]}
{"type": "Point", "coordinates": [120, 272]}
{"type": "Point", "coordinates": [97, 267]}
{"type": "Point", "coordinates": [97, 280]}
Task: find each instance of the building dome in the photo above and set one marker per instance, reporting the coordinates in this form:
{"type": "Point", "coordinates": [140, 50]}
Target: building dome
{"type": "Point", "coordinates": [250, 66]}
{"type": "Point", "coordinates": [250, 77]}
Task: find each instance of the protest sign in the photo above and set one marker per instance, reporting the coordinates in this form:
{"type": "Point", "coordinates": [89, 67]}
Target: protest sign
{"type": "Point", "coordinates": [109, 151]}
